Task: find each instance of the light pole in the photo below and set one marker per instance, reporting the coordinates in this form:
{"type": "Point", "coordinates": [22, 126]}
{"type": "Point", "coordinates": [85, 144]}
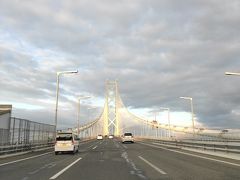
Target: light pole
{"type": "Point", "coordinates": [57, 93]}
{"type": "Point", "coordinates": [78, 114]}
{"type": "Point", "coordinates": [193, 126]}
{"type": "Point", "coordinates": [155, 121]}
{"type": "Point", "coordinates": [232, 73]}
{"type": "Point", "coordinates": [169, 128]}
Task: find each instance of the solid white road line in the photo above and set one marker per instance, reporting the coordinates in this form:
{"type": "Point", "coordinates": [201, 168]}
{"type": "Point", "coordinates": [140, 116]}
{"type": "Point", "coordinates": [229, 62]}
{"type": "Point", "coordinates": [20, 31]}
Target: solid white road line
{"type": "Point", "coordinates": [152, 165]}
{"type": "Point", "coordinates": [19, 160]}
{"type": "Point", "coordinates": [94, 147]}
{"type": "Point", "coordinates": [66, 168]}
{"type": "Point", "coordinates": [194, 155]}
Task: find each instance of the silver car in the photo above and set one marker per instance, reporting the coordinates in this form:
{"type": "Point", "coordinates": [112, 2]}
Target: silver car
{"type": "Point", "coordinates": [127, 137]}
{"type": "Point", "coordinates": [66, 142]}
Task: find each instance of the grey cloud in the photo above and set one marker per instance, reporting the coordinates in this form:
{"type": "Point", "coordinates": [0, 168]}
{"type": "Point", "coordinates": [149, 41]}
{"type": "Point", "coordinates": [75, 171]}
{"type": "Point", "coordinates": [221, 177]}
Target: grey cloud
{"type": "Point", "coordinates": [158, 51]}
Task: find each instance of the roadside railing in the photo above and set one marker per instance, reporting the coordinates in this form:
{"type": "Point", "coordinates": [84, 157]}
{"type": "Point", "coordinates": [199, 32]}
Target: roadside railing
{"type": "Point", "coordinates": [228, 147]}
{"type": "Point", "coordinates": [11, 149]}
{"type": "Point", "coordinates": [25, 135]}
{"type": "Point", "coordinates": [24, 147]}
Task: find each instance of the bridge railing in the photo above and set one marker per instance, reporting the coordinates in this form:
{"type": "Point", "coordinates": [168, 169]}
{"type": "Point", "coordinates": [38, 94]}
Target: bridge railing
{"type": "Point", "coordinates": [25, 134]}
{"type": "Point", "coordinates": [24, 147]}
{"type": "Point", "coordinates": [222, 146]}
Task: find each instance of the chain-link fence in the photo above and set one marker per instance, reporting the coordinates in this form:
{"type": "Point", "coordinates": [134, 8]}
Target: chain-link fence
{"type": "Point", "coordinates": [25, 132]}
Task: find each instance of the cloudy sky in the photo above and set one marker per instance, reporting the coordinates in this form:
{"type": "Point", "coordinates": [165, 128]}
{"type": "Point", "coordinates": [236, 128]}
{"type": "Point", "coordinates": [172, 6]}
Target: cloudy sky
{"type": "Point", "coordinates": [157, 50]}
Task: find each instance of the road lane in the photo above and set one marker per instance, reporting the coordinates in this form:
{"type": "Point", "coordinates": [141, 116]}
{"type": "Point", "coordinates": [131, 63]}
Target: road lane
{"type": "Point", "coordinates": [152, 165]}
{"type": "Point", "coordinates": [24, 159]}
{"type": "Point", "coordinates": [108, 160]}
{"type": "Point", "coordinates": [194, 155]}
{"type": "Point", "coordinates": [8, 159]}
{"type": "Point", "coordinates": [180, 166]}
{"type": "Point", "coordinates": [65, 169]}
{"type": "Point", "coordinates": [226, 160]}
{"type": "Point", "coordinates": [42, 167]}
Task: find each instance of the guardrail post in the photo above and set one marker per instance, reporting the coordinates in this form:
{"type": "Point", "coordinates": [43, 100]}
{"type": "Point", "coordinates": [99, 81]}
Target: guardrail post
{"type": "Point", "coordinates": [19, 132]}
{"type": "Point", "coordinates": [33, 138]}
{"type": "Point", "coordinates": [13, 130]}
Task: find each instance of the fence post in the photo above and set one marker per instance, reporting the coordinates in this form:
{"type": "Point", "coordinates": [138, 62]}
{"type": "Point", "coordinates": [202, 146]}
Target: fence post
{"type": "Point", "coordinates": [13, 130]}
{"type": "Point", "coordinates": [42, 133]}
{"type": "Point", "coordinates": [38, 133]}
{"type": "Point", "coordinates": [19, 131]}
{"type": "Point", "coordinates": [33, 140]}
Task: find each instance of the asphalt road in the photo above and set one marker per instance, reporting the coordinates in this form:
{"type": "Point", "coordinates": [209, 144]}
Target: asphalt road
{"type": "Point", "coordinates": [109, 159]}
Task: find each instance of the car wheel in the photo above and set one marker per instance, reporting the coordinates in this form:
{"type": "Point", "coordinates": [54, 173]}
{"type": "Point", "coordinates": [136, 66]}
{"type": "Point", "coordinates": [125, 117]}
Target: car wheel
{"type": "Point", "coordinates": [56, 153]}
{"type": "Point", "coordinates": [73, 152]}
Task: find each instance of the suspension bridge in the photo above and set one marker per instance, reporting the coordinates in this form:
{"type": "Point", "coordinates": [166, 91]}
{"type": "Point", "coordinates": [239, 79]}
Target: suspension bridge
{"type": "Point", "coordinates": [161, 151]}
{"type": "Point", "coordinates": [116, 119]}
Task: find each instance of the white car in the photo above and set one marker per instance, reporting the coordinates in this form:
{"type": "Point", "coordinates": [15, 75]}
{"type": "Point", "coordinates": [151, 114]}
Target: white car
{"type": "Point", "coordinates": [110, 136]}
{"type": "Point", "coordinates": [127, 137]}
{"type": "Point", "coordinates": [66, 142]}
{"type": "Point", "coordinates": [99, 137]}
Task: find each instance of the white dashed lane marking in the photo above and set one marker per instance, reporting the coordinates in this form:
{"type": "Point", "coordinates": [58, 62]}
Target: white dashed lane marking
{"type": "Point", "coordinates": [66, 168]}
{"type": "Point", "coordinates": [152, 165]}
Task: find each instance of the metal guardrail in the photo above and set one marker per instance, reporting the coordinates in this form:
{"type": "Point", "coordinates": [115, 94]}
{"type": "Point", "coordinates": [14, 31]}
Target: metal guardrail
{"type": "Point", "coordinates": [23, 147]}
{"type": "Point", "coordinates": [25, 135]}
{"type": "Point", "coordinates": [228, 147]}
{"type": "Point", "coordinates": [10, 149]}
{"type": "Point", "coordinates": [23, 131]}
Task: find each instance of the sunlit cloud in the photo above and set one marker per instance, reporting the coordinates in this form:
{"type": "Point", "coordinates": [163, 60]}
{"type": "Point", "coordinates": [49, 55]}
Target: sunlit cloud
{"type": "Point", "coordinates": [157, 51]}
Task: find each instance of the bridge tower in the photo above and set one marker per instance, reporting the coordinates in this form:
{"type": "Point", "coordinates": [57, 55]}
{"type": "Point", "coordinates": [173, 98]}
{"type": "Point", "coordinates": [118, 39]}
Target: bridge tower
{"type": "Point", "coordinates": [111, 117]}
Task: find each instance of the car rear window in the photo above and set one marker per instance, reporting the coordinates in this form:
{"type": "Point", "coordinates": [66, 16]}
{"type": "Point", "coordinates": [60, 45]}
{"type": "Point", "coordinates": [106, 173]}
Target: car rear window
{"type": "Point", "coordinates": [64, 137]}
{"type": "Point", "coordinates": [127, 134]}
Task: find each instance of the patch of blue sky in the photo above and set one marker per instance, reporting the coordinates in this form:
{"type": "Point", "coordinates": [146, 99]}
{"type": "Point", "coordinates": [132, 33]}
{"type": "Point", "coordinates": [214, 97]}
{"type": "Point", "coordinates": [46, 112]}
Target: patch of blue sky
{"type": "Point", "coordinates": [17, 105]}
{"type": "Point", "coordinates": [12, 41]}
{"type": "Point", "coordinates": [8, 41]}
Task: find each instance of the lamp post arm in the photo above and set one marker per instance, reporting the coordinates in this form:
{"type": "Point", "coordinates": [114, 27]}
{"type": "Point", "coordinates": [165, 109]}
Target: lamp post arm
{"type": "Point", "coordinates": [232, 73]}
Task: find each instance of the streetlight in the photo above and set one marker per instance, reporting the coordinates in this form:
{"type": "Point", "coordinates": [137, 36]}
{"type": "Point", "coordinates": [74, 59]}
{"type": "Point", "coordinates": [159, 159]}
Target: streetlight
{"type": "Point", "coordinates": [155, 122]}
{"type": "Point", "coordinates": [78, 114]}
{"type": "Point", "coordinates": [57, 92]}
{"type": "Point", "coordinates": [169, 129]}
{"type": "Point", "coordinates": [232, 73]}
{"type": "Point", "coordinates": [189, 98]}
